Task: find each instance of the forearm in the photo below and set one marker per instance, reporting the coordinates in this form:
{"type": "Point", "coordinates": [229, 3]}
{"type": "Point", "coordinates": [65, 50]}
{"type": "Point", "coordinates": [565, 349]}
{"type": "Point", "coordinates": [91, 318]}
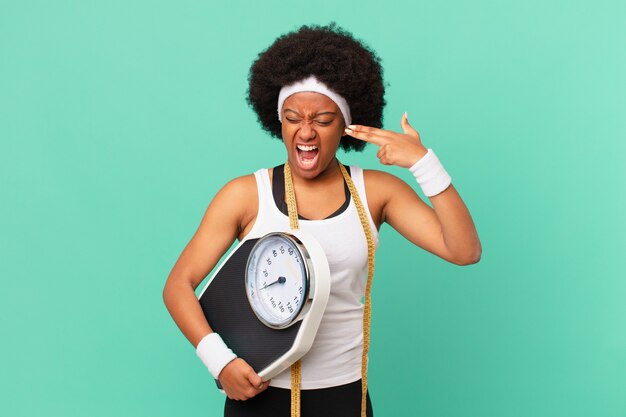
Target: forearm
{"type": "Point", "coordinates": [184, 307]}
{"type": "Point", "coordinates": [457, 227]}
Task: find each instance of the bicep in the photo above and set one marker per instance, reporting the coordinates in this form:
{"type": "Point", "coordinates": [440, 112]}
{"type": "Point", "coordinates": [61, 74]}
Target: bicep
{"type": "Point", "coordinates": [216, 233]}
{"type": "Point", "coordinates": [410, 216]}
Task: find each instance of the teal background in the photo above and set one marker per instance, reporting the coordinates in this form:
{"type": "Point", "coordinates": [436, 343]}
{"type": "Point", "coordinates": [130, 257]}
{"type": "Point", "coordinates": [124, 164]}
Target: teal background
{"type": "Point", "coordinates": [120, 120]}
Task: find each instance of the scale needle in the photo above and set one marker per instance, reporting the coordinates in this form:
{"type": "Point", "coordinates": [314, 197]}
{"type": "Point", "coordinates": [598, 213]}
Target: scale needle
{"type": "Point", "coordinates": [280, 280]}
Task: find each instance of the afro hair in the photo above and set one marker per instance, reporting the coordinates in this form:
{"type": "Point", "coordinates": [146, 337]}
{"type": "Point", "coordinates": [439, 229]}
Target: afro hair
{"type": "Point", "coordinates": [346, 65]}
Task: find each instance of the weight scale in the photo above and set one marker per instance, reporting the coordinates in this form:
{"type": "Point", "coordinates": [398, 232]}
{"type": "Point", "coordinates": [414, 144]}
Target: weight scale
{"type": "Point", "coordinates": [266, 300]}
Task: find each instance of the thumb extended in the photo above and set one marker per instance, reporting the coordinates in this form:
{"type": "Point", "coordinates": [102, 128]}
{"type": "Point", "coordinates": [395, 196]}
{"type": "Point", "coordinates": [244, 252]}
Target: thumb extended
{"type": "Point", "coordinates": [404, 122]}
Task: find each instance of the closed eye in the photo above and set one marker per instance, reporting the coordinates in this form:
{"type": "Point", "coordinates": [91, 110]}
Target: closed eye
{"type": "Point", "coordinates": [318, 122]}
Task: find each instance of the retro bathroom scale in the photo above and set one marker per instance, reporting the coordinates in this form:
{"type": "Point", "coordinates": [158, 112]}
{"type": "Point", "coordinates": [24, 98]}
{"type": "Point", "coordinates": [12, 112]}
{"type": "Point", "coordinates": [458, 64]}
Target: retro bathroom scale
{"type": "Point", "coordinates": [266, 300]}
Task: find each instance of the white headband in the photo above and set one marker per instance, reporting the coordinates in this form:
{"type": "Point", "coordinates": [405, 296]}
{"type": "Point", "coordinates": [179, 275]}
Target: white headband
{"type": "Point", "coordinates": [313, 85]}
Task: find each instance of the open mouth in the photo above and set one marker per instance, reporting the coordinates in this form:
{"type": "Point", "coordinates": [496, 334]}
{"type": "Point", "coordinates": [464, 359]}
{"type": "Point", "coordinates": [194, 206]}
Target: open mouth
{"type": "Point", "coordinates": [307, 155]}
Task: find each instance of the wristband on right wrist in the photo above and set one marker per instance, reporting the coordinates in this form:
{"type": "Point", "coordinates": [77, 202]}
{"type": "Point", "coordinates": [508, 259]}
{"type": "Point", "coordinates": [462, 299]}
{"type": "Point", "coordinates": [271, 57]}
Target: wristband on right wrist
{"type": "Point", "coordinates": [214, 353]}
{"type": "Point", "coordinates": [430, 174]}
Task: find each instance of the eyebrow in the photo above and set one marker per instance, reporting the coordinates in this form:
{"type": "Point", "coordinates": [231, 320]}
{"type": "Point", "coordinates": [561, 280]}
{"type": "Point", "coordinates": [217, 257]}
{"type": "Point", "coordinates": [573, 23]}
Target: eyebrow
{"type": "Point", "coordinates": [318, 114]}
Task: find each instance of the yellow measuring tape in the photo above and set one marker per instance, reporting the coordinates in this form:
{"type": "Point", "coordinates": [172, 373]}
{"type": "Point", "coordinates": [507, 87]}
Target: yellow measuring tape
{"type": "Point", "coordinates": [367, 311]}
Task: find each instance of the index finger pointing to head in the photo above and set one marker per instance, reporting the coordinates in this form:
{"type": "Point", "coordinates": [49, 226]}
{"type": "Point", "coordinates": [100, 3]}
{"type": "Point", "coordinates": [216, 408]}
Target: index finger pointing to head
{"type": "Point", "coordinates": [367, 135]}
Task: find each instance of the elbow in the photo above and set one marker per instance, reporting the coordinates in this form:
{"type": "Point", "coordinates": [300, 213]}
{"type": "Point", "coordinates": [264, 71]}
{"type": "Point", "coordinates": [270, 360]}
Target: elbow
{"type": "Point", "coordinates": [169, 292]}
{"type": "Point", "coordinates": [470, 258]}
{"type": "Point", "coordinates": [165, 294]}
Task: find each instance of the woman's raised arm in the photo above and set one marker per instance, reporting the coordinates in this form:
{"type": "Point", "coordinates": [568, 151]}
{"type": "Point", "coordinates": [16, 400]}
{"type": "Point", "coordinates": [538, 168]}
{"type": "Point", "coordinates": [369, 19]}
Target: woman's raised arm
{"type": "Point", "coordinates": [446, 229]}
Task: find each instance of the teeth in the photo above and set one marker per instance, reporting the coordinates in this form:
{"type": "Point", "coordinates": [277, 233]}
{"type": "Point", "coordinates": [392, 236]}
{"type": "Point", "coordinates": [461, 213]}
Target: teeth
{"type": "Point", "coordinates": [306, 148]}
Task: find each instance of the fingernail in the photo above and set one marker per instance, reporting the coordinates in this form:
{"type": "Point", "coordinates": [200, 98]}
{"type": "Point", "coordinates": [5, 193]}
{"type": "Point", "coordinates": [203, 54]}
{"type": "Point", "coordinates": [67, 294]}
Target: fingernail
{"type": "Point", "coordinates": [348, 130]}
{"type": "Point", "coordinates": [406, 116]}
{"type": "Point", "coordinates": [350, 127]}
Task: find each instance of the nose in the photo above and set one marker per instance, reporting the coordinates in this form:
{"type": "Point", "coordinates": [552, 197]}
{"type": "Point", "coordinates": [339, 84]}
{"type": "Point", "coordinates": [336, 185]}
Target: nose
{"type": "Point", "coordinates": [306, 131]}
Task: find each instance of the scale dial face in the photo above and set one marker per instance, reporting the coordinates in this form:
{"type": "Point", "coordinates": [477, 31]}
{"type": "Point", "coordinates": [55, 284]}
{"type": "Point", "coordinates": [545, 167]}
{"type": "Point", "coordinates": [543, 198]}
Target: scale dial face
{"type": "Point", "coordinates": [277, 279]}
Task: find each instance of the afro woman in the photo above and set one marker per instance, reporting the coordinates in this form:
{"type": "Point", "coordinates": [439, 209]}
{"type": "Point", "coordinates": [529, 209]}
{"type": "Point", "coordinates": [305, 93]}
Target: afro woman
{"type": "Point", "coordinates": [318, 89]}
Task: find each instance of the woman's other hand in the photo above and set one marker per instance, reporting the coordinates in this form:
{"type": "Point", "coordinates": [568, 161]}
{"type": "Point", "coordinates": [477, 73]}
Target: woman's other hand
{"type": "Point", "coordinates": [401, 149]}
{"type": "Point", "coordinates": [240, 381]}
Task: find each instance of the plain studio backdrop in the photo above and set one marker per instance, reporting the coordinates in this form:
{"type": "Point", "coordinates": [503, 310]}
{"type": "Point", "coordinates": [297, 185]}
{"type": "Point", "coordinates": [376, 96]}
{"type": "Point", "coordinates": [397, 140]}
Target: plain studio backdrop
{"type": "Point", "coordinates": [120, 120]}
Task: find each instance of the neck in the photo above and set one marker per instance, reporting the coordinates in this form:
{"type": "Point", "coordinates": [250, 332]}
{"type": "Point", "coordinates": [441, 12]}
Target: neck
{"type": "Point", "coordinates": [330, 174]}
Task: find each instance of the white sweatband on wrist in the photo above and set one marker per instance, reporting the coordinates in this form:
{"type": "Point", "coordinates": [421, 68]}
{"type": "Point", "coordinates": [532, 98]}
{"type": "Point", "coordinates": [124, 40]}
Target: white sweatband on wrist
{"type": "Point", "coordinates": [430, 174]}
{"type": "Point", "coordinates": [214, 353]}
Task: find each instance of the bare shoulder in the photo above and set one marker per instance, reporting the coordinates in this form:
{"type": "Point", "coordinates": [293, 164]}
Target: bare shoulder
{"type": "Point", "coordinates": [379, 187]}
{"type": "Point", "coordinates": [379, 178]}
{"type": "Point", "coordinates": [220, 226]}
{"type": "Point", "coordinates": [237, 200]}
{"type": "Point", "coordinates": [383, 188]}
{"type": "Point", "coordinates": [241, 186]}
{"type": "Point", "coordinates": [383, 183]}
